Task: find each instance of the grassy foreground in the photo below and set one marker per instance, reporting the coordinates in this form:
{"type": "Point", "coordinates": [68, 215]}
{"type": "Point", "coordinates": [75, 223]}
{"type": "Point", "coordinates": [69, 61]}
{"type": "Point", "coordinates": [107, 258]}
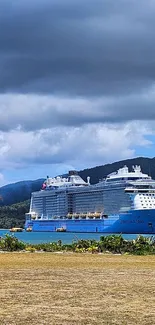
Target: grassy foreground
{"type": "Point", "coordinates": [70, 288]}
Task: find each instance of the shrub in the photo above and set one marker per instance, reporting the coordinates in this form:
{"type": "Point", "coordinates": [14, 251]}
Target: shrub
{"type": "Point", "coordinates": [30, 249]}
{"type": "Point", "coordinates": [112, 243]}
{"type": "Point", "coordinates": [11, 243]}
{"type": "Point", "coordinates": [93, 249]}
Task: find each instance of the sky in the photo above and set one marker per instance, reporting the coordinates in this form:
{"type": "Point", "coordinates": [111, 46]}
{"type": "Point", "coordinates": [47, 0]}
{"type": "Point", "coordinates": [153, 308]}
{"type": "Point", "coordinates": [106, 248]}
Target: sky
{"type": "Point", "coordinates": [77, 85]}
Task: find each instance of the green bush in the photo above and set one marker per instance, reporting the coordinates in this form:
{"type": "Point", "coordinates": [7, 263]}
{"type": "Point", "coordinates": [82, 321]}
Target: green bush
{"type": "Point", "coordinates": [113, 244]}
{"type": "Point", "coordinates": [11, 243]}
{"type": "Point", "coordinates": [49, 247]}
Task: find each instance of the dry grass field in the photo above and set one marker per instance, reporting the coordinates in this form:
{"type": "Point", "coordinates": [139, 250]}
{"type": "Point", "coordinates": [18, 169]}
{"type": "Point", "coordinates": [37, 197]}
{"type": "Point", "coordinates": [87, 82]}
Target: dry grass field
{"type": "Point", "coordinates": [47, 288]}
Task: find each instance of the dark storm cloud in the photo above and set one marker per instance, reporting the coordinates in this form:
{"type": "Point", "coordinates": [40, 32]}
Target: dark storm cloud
{"type": "Point", "coordinates": [77, 62]}
{"type": "Point", "coordinates": [33, 112]}
{"type": "Point", "coordinates": [80, 47]}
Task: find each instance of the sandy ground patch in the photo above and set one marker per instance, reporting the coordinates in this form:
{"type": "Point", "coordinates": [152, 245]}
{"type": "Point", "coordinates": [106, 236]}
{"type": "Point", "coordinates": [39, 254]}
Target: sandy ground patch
{"type": "Point", "coordinates": [77, 289]}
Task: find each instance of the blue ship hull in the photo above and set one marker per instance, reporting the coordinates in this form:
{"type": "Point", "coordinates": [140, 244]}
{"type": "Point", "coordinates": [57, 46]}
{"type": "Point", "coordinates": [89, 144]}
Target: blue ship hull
{"type": "Point", "coordinates": [131, 222]}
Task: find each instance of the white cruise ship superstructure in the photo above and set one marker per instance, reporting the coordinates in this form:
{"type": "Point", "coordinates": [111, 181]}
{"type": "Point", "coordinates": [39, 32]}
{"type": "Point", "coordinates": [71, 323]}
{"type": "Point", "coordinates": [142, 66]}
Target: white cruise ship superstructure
{"type": "Point", "coordinates": [71, 204]}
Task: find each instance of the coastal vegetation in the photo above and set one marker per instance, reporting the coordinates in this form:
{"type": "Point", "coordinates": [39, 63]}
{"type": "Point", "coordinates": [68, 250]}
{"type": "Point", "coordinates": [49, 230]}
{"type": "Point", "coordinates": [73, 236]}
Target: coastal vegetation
{"type": "Point", "coordinates": [114, 244]}
{"type": "Point", "coordinates": [13, 215]}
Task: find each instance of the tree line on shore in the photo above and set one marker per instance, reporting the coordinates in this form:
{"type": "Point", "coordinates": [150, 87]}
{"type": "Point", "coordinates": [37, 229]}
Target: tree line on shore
{"type": "Point", "coordinates": [115, 244]}
{"type": "Point", "coordinates": [13, 215]}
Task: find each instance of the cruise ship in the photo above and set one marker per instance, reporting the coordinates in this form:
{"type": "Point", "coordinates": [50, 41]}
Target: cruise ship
{"type": "Point", "coordinates": [123, 202]}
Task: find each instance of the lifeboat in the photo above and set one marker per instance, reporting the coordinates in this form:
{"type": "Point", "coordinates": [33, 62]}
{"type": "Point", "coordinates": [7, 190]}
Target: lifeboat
{"type": "Point", "coordinates": [91, 216]}
{"type": "Point", "coordinates": [83, 215]}
{"type": "Point", "coordinates": [76, 216]}
{"type": "Point", "coordinates": [33, 217]}
{"type": "Point", "coordinates": [60, 229]}
{"type": "Point", "coordinates": [69, 216]}
{"type": "Point", "coordinates": [29, 229]}
{"type": "Point", "coordinates": [14, 229]}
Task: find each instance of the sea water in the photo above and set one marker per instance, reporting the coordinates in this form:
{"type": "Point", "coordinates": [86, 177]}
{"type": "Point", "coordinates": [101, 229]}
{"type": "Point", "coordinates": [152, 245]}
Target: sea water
{"type": "Point", "coordinates": [66, 238]}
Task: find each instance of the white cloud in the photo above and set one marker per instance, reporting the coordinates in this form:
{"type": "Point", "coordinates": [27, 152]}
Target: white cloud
{"type": "Point", "coordinates": [35, 112]}
{"type": "Point", "coordinates": [71, 131]}
{"type": "Point", "coordinates": [84, 146]}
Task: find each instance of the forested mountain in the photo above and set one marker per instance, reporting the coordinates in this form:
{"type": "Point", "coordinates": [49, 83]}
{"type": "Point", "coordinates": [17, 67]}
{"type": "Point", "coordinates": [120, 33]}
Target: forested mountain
{"type": "Point", "coordinates": [13, 215]}
{"type": "Point", "coordinates": [99, 172]}
{"type": "Point", "coordinates": [18, 192]}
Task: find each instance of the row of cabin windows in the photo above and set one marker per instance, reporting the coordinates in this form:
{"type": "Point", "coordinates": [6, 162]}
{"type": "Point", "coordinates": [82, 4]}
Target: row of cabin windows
{"type": "Point", "coordinates": [147, 200]}
{"type": "Point", "coordinates": [149, 204]}
{"type": "Point", "coordinates": [124, 179]}
{"type": "Point", "coordinates": [148, 194]}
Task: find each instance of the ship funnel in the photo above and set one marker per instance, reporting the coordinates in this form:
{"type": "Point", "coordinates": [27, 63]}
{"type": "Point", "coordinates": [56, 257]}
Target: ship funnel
{"type": "Point", "coordinates": [88, 180]}
{"type": "Point", "coordinates": [73, 172]}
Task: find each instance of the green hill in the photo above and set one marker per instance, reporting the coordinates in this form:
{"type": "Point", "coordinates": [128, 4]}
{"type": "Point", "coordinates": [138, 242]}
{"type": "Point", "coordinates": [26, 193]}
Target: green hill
{"type": "Point", "coordinates": [13, 215]}
{"type": "Point", "coordinates": [99, 172]}
{"type": "Point", "coordinates": [19, 192]}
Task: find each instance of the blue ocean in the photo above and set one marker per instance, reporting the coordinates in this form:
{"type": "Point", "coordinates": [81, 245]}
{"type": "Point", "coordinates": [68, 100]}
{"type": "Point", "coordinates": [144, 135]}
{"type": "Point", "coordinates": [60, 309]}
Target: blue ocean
{"type": "Point", "coordinates": [66, 238]}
